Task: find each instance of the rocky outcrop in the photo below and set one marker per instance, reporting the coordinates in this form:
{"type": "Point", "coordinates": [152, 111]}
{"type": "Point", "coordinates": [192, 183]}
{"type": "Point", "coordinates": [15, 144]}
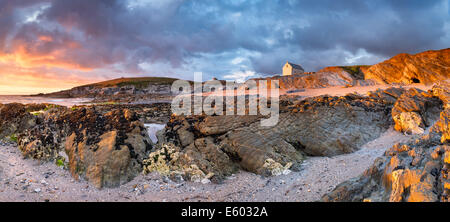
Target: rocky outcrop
{"type": "Point", "coordinates": [417, 171]}
{"type": "Point", "coordinates": [15, 118]}
{"type": "Point", "coordinates": [390, 95]}
{"type": "Point", "coordinates": [324, 78]}
{"type": "Point", "coordinates": [409, 122]}
{"type": "Point", "coordinates": [200, 161]}
{"type": "Point", "coordinates": [110, 153]}
{"type": "Point", "coordinates": [415, 110]}
{"type": "Point", "coordinates": [426, 67]}
{"type": "Point", "coordinates": [106, 149]}
{"type": "Point", "coordinates": [147, 113]}
{"type": "Point", "coordinates": [441, 91]}
{"type": "Point", "coordinates": [117, 87]}
{"type": "Point", "coordinates": [321, 126]}
{"type": "Point", "coordinates": [441, 127]}
{"type": "Point", "coordinates": [357, 72]}
{"type": "Point", "coordinates": [336, 125]}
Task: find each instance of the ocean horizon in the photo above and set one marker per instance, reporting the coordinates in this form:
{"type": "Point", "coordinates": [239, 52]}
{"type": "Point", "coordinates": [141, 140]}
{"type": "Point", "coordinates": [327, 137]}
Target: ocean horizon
{"type": "Point", "coordinates": [6, 99]}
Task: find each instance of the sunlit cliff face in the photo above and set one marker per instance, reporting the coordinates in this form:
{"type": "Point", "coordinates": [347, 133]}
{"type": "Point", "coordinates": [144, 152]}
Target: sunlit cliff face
{"type": "Point", "coordinates": [49, 45]}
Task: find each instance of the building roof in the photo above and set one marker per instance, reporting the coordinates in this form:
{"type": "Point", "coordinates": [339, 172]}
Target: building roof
{"type": "Point", "coordinates": [295, 66]}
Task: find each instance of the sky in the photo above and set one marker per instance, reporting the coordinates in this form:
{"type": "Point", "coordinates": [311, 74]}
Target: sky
{"type": "Point", "coordinates": [50, 45]}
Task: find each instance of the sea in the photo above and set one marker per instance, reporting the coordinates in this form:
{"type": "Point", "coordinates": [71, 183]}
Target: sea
{"type": "Point", "coordinates": [57, 101]}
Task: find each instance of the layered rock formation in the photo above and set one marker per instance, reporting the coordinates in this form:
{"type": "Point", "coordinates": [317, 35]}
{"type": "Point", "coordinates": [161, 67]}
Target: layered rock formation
{"type": "Point", "coordinates": [329, 77]}
{"type": "Point", "coordinates": [417, 171]}
{"type": "Point", "coordinates": [426, 67]}
{"type": "Point", "coordinates": [322, 126]}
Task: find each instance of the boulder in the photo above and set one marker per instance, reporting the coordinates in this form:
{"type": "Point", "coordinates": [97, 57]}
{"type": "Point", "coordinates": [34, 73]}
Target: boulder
{"type": "Point", "coordinates": [197, 162]}
{"type": "Point", "coordinates": [104, 164]}
{"type": "Point", "coordinates": [409, 122]}
{"type": "Point", "coordinates": [441, 90]}
{"type": "Point", "coordinates": [389, 95]}
{"type": "Point", "coordinates": [105, 149]}
{"type": "Point", "coordinates": [15, 118]}
{"type": "Point", "coordinates": [415, 110]}
{"type": "Point", "coordinates": [441, 127]}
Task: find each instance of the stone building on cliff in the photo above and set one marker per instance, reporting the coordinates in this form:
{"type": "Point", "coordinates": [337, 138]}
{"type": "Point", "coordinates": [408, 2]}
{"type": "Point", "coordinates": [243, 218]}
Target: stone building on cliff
{"type": "Point", "coordinates": [292, 69]}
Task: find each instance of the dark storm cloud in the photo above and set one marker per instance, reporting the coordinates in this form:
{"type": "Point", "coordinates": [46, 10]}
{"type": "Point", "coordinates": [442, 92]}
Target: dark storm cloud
{"type": "Point", "coordinates": [102, 33]}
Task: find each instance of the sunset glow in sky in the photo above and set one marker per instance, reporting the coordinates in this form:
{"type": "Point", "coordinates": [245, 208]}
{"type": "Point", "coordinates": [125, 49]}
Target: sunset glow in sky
{"type": "Point", "coordinates": [50, 45]}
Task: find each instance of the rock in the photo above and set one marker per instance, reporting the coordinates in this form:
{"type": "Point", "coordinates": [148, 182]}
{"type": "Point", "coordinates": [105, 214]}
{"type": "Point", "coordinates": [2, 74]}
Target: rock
{"type": "Point", "coordinates": [275, 169]}
{"type": "Point", "coordinates": [40, 143]}
{"type": "Point", "coordinates": [185, 134]}
{"type": "Point", "coordinates": [324, 78]}
{"type": "Point", "coordinates": [115, 157]}
{"type": "Point", "coordinates": [441, 90]}
{"type": "Point", "coordinates": [426, 67]}
{"type": "Point", "coordinates": [322, 126]}
{"type": "Point", "coordinates": [415, 110]}
{"type": "Point", "coordinates": [206, 181]}
{"type": "Point", "coordinates": [442, 125]}
{"type": "Point", "coordinates": [423, 103]}
{"type": "Point", "coordinates": [15, 118]}
{"type": "Point", "coordinates": [409, 122]}
{"type": "Point", "coordinates": [106, 149]}
{"type": "Point", "coordinates": [390, 95]}
{"type": "Point", "coordinates": [212, 125]}
{"type": "Point", "coordinates": [447, 157]}
{"type": "Point", "coordinates": [146, 113]}
{"type": "Point", "coordinates": [357, 72]}
{"type": "Point", "coordinates": [406, 173]}
{"type": "Point", "coordinates": [335, 125]}
{"type": "Point", "coordinates": [196, 162]}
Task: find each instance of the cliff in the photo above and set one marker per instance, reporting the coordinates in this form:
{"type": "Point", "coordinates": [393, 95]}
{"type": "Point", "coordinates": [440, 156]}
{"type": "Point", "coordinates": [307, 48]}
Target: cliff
{"type": "Point", "coordinates": [122, 86]}
{"type": "Point", "coordinates": [426, 67]}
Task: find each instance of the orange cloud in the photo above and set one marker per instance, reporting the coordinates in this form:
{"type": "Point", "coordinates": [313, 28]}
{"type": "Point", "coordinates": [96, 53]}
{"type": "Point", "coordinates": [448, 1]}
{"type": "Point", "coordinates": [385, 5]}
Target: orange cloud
{"type": "Point", "coordinates": [45, 38]}
{"type": "Point", "coordinates": [18, 80]}
{"type": "Point", "coordinates": [42, 65]}
{"type": "Point", "coordinates": [24, 58]}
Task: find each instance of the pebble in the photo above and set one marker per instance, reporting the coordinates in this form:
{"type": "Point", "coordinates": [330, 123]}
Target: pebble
{"type": "Point", "coordinates": [44, 182]}
{"type": "Point", "coordinates": [37, 190]}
